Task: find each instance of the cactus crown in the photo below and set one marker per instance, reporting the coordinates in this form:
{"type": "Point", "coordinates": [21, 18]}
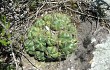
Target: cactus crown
{"type": "Point", "coordinates": [51, 38]}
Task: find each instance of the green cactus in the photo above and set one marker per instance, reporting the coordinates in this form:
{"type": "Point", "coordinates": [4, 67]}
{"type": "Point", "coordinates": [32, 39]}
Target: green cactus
{"type": "Point", "coordinates": [52, 37]}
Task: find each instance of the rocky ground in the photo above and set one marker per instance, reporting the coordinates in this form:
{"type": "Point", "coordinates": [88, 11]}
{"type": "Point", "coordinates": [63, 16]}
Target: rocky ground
{"type": "Point", "coordinates": [89, 35]}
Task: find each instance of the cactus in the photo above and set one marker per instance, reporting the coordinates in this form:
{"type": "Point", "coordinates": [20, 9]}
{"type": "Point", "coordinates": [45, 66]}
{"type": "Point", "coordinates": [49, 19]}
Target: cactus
{"type": "Point", "coordinates": [52, 37]}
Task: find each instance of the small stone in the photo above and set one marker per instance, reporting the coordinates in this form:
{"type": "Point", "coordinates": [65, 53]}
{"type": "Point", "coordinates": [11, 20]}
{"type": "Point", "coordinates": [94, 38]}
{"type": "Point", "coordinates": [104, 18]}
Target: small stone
{"type": "Point", "coordinates": [68, 69]}
{"type": "Point", "coordinates": [25, 12]}
{"type": "Point", "coordinates": [2, 9]}
{"type": "Point", "coordinates": [10, 4]}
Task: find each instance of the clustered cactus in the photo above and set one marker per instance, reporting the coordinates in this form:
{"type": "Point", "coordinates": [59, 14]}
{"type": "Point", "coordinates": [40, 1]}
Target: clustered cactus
{"type": "Point", "coordinates": [51, 38]}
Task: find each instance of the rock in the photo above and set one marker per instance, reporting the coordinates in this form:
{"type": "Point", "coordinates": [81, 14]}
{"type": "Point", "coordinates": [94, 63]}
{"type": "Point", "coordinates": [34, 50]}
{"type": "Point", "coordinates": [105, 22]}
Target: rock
{"type": "Point", "coordinates": [101, 59]}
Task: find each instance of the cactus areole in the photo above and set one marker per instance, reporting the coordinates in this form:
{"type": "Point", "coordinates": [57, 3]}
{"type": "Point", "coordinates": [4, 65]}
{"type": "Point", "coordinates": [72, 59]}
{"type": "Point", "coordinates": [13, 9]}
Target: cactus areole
{"type": "Point", "coordinates": [51, 38]}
